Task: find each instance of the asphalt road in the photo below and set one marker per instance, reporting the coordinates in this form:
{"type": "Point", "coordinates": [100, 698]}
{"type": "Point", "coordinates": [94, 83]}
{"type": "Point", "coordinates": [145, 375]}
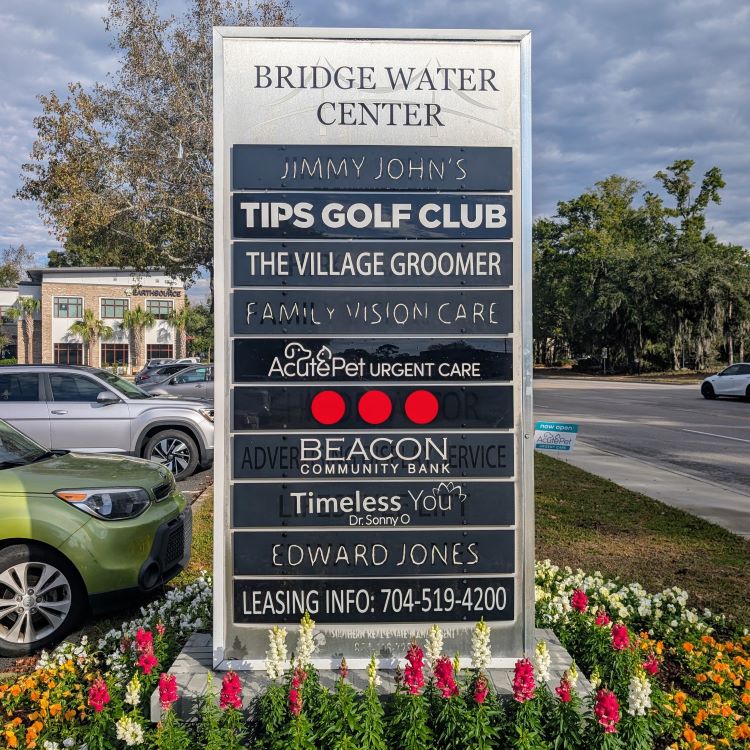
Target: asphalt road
{"type": "Point", "coordinates": [672, 429]}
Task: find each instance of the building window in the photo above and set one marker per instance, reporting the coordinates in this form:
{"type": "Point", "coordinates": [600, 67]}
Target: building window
{"type": "Point", "coordinates": [114, 308]}
{"type": "Point", "coordinates": [159, 351]}
{"type": "Point", "coordinates": [114, 354]}
{"type": "Point", "coordinates": [68, 307]}
{"type": "Point", "coordinates": [160, 307]}
{"type": "Point", "coordinates": [68, 354]}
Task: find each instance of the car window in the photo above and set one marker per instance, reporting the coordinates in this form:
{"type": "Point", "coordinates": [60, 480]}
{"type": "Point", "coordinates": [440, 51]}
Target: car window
{"type": "Point", "coordinates": [21, 386]}
{"type": "Point", "coordinates": [123, 386]}
{"type": "Point", "coordinates": [74, 387]}
{"type": "Point", "coordinates": [733, 370]}
{"type": "Point", "coordinates": [192, 376]}
{"type": "Point", "coordinates": [744, 370]}
{"type": "Point", "coordinates": [170, 369]}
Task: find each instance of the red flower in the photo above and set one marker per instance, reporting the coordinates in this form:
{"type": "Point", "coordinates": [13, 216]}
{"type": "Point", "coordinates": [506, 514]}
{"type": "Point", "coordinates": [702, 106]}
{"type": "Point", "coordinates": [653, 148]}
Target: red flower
{"type": "Point", "coordinates": [147, 661]}
{"type": "Point", "coordinates": [607, 710]}
{"type": "Point", "coordinates": [620, 637]}
{"type": "Point", "coordinates": [295, 693]}
{"type": "Point", "coordinates": [98, 694]}
{"type": "Point", "coordinates": [413, 672]}
{"type": "Point", "coordinates": [481, 688]}
{"type": "Point", "coordinates": [602, 618]}
{"type": "Point", "coordinates": [523, 681]}
{"type": "Point", "coordinates": [343, 669]}
{"type": "Point", "coordinates": [579, 601]}
{"type": "Point", "coordinates": [167, 690]}
{"type": "Point", "coordinates": [651, 665]}
{"type": "Point", "coordinates": [231, 691]}
{"type": "Point", "coordinates": [563, 689]}
{"type": "Point", "coordinates": [161, 629]}
{"type": "Point", "coordinates": [444, 679]}
{"type": "Point", "coordinates": [144, 640]}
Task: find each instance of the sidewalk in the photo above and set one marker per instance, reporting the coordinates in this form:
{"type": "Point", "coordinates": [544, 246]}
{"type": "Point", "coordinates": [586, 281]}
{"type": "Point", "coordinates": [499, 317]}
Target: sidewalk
{"type": "Point", "coordinates": [705, 499]}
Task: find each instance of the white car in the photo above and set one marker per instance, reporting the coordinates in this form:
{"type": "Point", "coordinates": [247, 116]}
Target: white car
{"type": "Point", "coordinates": [733, 381]}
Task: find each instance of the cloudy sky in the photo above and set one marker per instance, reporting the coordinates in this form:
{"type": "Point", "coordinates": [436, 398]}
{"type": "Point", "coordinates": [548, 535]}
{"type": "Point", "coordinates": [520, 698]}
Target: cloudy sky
{"type": "Point", "coordinates": [620, 86]}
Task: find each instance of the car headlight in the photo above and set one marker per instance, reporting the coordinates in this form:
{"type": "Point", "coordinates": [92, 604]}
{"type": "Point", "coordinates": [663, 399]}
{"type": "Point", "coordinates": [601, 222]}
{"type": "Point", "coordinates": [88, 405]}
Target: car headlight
{"type": "Point", "coordinates": [208, 414]}
{"type": "Point", "coordinates": [111, 505]}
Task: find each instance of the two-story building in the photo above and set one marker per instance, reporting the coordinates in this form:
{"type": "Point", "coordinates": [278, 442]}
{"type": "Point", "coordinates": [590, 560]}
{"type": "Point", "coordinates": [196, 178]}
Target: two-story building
{"type": "Point", "coordinates": [64, 294]}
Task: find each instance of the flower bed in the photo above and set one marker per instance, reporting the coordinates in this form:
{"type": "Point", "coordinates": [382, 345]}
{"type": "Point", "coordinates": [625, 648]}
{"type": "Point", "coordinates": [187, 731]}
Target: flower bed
{"type": "Point", "coordinates": [664, 675]}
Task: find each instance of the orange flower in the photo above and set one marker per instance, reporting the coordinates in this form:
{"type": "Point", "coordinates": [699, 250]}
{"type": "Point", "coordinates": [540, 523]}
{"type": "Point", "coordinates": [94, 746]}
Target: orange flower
{"type": "Point", "coordinates": [70, 714]}
{"type": "Point", "coordinates": [687, 646]}
{"type": "Point", "coordinates": [10, 739]}
{"type": "Point", "coordinates": [55, 709]}
{"type": "Point", "coordinates": [688, 734]}
{"type": "Point", "coordinates": [700, 717]}
{"type": "Point", "coordinates": [741, 732]}
{"type": "Point", "coordinates": [746, 698]}
{"type": "Point", "coordinates": [701, 677]}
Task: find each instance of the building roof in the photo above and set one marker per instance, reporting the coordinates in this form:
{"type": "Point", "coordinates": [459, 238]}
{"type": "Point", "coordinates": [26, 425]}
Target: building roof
{"type": "Point", "coordinates": [36, 274]}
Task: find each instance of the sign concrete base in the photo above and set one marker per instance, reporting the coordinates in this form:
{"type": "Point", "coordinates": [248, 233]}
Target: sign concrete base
{"type": "Point", "coordinates": [194, 663]}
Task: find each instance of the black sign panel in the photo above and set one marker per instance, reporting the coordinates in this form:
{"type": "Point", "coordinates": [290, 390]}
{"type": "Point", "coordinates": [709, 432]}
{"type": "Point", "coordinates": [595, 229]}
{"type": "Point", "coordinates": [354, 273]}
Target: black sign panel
{"type": "Point", "coordinates": [374, 455]}
{"type": "Point", "coordinates": [368, 359]}
{"type": "Point", "coordinates": [351, 311]}
{"type": "Point", "coordinates": [376, 506]}
{"type": "Point", "coordinates": [394, 263]}
{"type": "Point", "coordinates": [347, 407]}
{"type": "Point", "coordinates": [371, 216]}
{"type": "Point", "coordinates": [371, 168]}
{"type": "Point", "coordinates": [359, 553]}
{"type": "Point", "coordinates": [331, 600]}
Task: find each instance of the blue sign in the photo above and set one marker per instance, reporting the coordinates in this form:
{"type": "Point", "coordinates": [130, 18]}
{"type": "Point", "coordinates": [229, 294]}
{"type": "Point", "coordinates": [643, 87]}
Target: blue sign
{"type": "Point", "coordinates": [555, 436]}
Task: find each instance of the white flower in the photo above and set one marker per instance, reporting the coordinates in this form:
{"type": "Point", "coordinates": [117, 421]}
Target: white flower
{"type": "Point", "coordinates": [68, 742]}
{"type": "Point", "coordinates": [276, 654]}
{"type": "Point", "coordinates": [639, 694]}
{"type": "Point", "coordinates": [133, 691]}
{"type": "Point", "coordinates": [434, 645]}
{"type": "Point", "coordinates": [129, 731]}
{"type": "Point", "coordinates": [541, 662]}
{"type": "Point", "coordinates": [373, 678]}
{"type": "Point", "coordinates": [47, 745]}
{"type": "Point", "coordinates": [305, 641]}
{"type": "Point", "coordinates": [573, 675]}
{"type": "Point", "coordinates": [480, 646]}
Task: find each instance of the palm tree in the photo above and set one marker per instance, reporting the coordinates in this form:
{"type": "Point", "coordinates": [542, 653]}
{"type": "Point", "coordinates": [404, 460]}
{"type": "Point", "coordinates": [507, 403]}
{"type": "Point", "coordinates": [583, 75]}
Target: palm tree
{"type": "Point", "coordinates": [179, 320]}
{"type": "Point", "coordinates": [90, 329]}
{"type": "Point", "coordinates": [136, 321]}
{"type": "Point", "coordinates": [25, 308]}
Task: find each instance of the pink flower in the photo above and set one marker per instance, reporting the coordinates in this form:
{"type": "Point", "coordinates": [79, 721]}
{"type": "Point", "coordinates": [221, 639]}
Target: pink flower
{"type": "Point", "coordinates": [144, 640]}
{"type": "Point", "coordinates": [607, 710]}
{"type": "Point", "coordinates": [295, 692]}
{"type": "Point", "coordinates": [481, 688]}
{"type": "Point", "coordinates": [167, 690]}
{"type": "Point", "coordinates": [147, 661]}
{"type": "Point", "coordinates": [563, 689]}
{"type": "Point", "coordinates": [524, 684]}
{"type": "Point", "coordinates": [602, 618]}
{"type": "Point", "coordinates": [161, 629]}
{"type": "Point", "coordinates": [413, 672]}
{"type": "Point", "coordinates": [620, 637]}
{"type": "Point", "coordinates": [343, 669]}
{"type": "Point", "coordinates": [98, 695]}
{"type": "Point", "coordinates": [444, 679]}
{"type": "Point", "coordinates": [231, 691]}
{"type": "Point", "coordinates": [651, 665]}
{"type": "Point", "coordinates": [579, 601]}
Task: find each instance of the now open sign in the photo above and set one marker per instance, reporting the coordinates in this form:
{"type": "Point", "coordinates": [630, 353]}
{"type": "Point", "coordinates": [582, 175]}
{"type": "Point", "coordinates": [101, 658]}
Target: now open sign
{"type": "Point", "coordinates": [555, 436]}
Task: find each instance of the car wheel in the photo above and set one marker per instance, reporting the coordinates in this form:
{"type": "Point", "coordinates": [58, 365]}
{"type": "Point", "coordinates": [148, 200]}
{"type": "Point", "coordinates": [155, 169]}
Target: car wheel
{"type": "Point", "coordinates": [707, 391]}
{"type": "Point", "coordinates": [41, 599]}
{"type": "Point", "coordinates": [747, 393]}
{"type": "Point", "coordinates": [176, 450]}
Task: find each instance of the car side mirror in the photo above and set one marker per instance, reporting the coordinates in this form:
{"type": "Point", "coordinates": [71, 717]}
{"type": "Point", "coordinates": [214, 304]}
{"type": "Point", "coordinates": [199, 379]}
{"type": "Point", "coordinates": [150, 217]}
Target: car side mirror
{"type": "Point", "coordinates": [106, 397]}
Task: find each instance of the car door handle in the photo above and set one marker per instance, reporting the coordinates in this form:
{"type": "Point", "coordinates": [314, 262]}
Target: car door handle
{"type": "Point", "coordinates": [59, 411]}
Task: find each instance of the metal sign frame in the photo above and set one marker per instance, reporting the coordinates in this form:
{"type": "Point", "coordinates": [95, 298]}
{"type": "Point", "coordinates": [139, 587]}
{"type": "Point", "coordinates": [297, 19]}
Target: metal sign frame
{"type": "Point", "coordinates": [522, 335]}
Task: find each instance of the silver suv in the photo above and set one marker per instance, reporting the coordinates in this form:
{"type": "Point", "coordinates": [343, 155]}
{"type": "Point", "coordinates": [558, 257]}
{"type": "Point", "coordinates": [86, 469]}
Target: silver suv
{"type": "Point", "coordinates": [85, 409]}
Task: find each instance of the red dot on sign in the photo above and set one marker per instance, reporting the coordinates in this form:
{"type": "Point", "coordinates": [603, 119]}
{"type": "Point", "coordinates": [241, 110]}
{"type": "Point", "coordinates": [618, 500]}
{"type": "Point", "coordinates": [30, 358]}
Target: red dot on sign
{"type": "Point", "coordinates": [421, 407]}
{"type": "Point", "coordinates": [375, 407]}
{"type": "Point", "coordinates": [328, 407]}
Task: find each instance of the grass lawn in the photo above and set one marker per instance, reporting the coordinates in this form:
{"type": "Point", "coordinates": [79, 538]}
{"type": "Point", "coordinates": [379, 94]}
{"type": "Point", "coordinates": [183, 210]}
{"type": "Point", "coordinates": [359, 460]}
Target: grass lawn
{"type": "Point", "coordinates": [591, 523]}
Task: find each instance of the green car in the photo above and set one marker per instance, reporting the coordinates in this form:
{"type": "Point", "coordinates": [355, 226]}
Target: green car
{"type": "Point", "coordinates": [80, 532]}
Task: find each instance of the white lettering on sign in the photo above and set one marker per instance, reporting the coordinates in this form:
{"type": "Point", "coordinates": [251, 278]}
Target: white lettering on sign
{"type": "Point", "coordinates": [273, 214]}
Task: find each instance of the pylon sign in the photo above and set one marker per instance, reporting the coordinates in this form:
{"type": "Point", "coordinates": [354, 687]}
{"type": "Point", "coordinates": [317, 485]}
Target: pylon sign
{"type": "Point", "coordinates": [373, 354]}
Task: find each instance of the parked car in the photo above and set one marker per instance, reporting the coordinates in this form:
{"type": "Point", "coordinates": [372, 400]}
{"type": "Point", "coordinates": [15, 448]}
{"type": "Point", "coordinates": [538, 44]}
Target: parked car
{"type": "Point", "coordinates": [158, 372]}
{"type": "Point", "coordinates": [732, 381]}
{"type": "Point", "coordinates": [192, 382]}
{"type": "Point", "coordinates": [65, 407]}
{"type": "Point", "coordinates": [79, 531]}
{"type": "Point", "coordinates": [188, 360]}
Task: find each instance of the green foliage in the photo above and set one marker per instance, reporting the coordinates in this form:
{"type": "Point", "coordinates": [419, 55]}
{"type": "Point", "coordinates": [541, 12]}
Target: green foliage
{"type": "Point", "coordinates": [566, 726]}
{"type": "Point", "coordinates": [343, 724]}
{"type": "Point", "coordinates": [217, 729]}
{"type": "Point", "coordinates": [371, 735]}
{"type": "Point", "coordinates": [409, 728]}
{"type": "Point", "coordinates": [13, 263]}
{"type": "Point", "coordinates": [527, 729]}
{"type": "Point", "coordinates": [640, 277]}
{"type": "Point", "coordinates": [171, 733]}
{"type": "Point", "coordinates": [272, 713]}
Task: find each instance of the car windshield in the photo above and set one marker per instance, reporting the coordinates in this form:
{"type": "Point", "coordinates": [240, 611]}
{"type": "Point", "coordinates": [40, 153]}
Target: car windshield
{"type": "Point", "coordinates": [16, 449]}
{"type": "Point", "coordinates": [126, 388]}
